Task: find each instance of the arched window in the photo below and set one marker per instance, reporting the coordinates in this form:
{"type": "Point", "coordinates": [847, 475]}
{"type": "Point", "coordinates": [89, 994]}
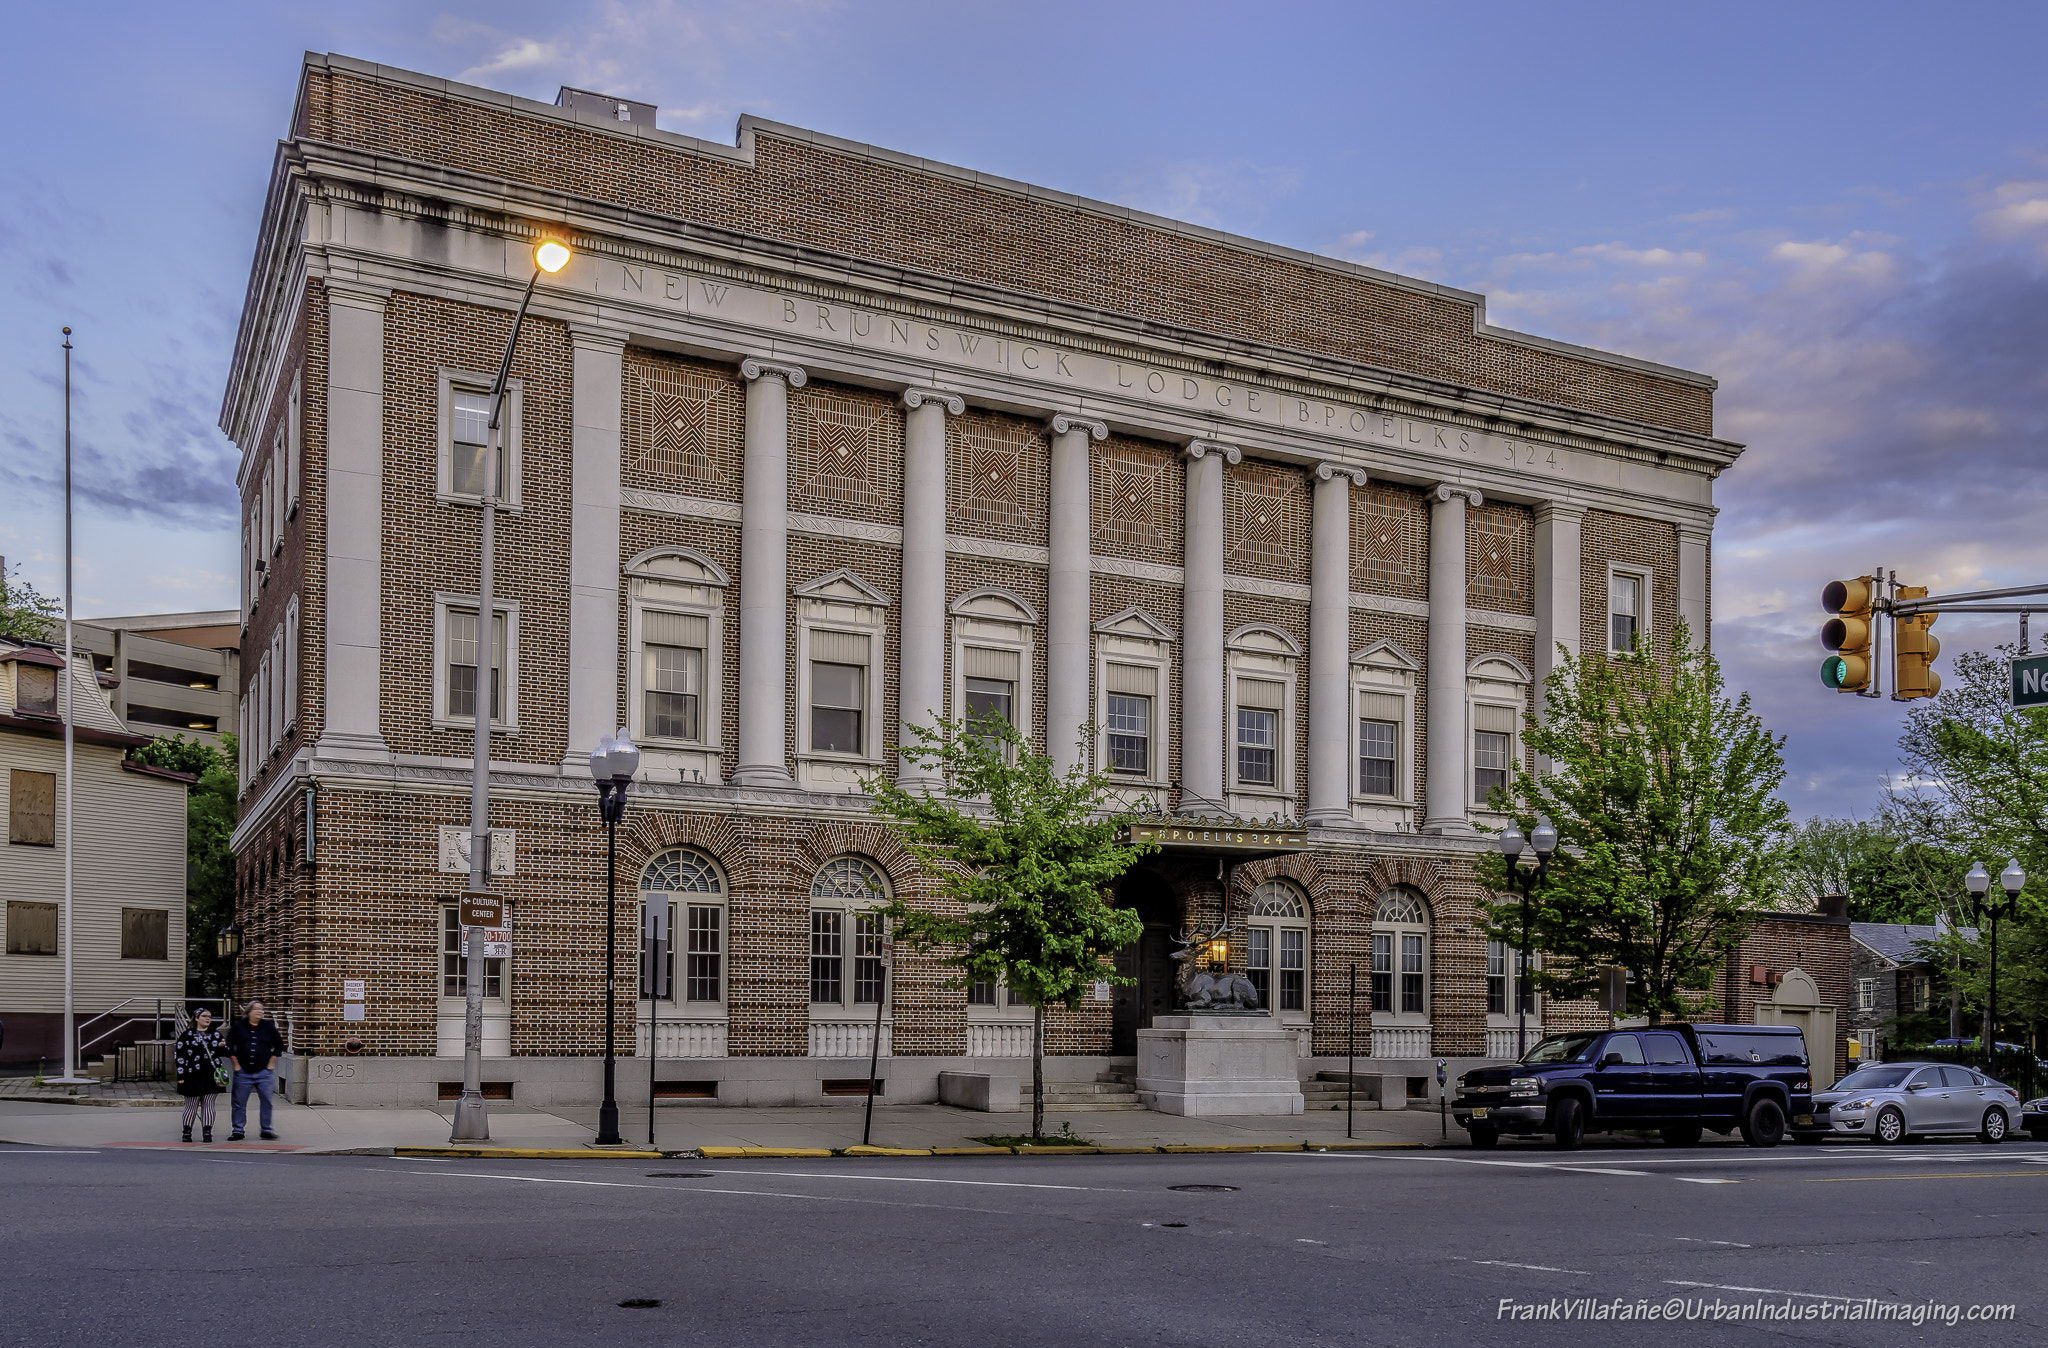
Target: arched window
{"type": "Point", "coordinates": [1400, 955]}
{"type": "Point", "coordinates": [843, 894]}
{"type": "Point", "coordinates": [1276, 948]}
{"type": "Point", "coordinates": [701, 917]}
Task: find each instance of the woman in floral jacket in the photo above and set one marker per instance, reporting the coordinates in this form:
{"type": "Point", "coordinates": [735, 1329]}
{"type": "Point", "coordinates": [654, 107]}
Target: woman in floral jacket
{"type": "Point", "coordinates": [199, 1055]}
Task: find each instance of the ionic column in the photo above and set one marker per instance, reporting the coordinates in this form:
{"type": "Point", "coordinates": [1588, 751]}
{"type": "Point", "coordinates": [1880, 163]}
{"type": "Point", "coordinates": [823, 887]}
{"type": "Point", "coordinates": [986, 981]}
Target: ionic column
{"type": "Point", "coordinates": [1329, 645]}
{"type": "Point", "coordinates": [764, 574]}
{"type": "Point", "coordinates": [1201, 652]}
{"type": "Point", "coordinates": [1446, 800]}
{"type": "Point", "coordinates": [352, 720]}
{"type": "Point", "coordinates": [921, 681]}
{"type": "Point", "coordinates": [596, 395]}
{"type": "Point", "coordinates": [1066, 619]}
{"type": "Point", "coordinates": [1692, 580]}
{"type": "Point", "coordinates": [1559, 526]}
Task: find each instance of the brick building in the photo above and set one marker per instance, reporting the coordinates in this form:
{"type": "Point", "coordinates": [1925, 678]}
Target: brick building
{"type": "Point", "coordinates": [811, 439]}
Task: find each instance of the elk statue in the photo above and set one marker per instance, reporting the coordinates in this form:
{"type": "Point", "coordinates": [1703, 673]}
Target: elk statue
{"type": "Point", "coordinates": [1205, 991]}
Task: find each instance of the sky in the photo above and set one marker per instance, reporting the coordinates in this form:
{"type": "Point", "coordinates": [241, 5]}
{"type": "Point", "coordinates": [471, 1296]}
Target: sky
{"type": "Point", "coordinates": [1838, 210]}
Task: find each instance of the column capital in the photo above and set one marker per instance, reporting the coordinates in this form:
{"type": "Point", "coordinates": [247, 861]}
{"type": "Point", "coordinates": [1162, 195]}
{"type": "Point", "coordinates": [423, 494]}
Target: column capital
{"type": "Point", "coordinates": [753, 368]}
{"type": "Point", "coordinates": [596, 339]}
{"type": "Point", "coordinates": [1327, 470]}
{"type": "Point", "coordinates": [915, 398]}
{"type": "Point", "coordinates": [1444, 491]}
{"type": "Point", "coordinates": [1228, 453]}
{"type": "Point", "coordinates": [356, 295]}
{"type": "Point", "coordinates": [1559, 510]}
{"type": "Point", "coordinates": [1695, 531]}
{"type": "Point", "coordinates": [1062, 422]}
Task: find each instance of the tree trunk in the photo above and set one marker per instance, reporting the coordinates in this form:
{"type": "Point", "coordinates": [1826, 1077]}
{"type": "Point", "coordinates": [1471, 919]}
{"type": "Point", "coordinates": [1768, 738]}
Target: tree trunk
{"type": "Point", "coordinates": [1037, 1072]}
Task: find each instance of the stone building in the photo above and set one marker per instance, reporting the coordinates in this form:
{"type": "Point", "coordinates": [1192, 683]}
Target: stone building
{"type": "Point", "coordinates": [812, 439]}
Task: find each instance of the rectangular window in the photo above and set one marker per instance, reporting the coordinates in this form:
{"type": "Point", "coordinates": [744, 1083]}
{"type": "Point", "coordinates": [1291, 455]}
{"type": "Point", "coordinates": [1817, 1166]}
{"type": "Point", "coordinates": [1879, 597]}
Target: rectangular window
{"type": "Point", "coordinates": [1624, 610]}
{"type": "Point", "coordinates": [1866, 994]}
{"type": "Point", "coordinates": [35, 689]}
{"type": "Point", "coordinates": [31, 928]}
{"type": "Point", "coordinates": [1376, 757]}
{"type": "Point", "coordinates": [1016, 998]}
{"type": "Point", "coordinates": [672, 673]}
{"type": "Point", "coordinates": [867, 958]}
{"type": "Point", "coordinates": [706, 954]}
{"type": "Point", "coordinates": [455, 964]}
{"type": "Point", "coordinates": [1130, 735]}
{"type": "Point", "coordinates": [838, 699]}
{"type": "Point", "coordinates": [145, 934]}
{"type": "Point", "coordinates": [1382, 971]}
{"type": "Point", "coordinates": [1496, 979]}
{"type": "Point", "coordinates": [1258, 739]}
{"type": "Point", "coordinates": [1921, 991]}
{"type": "Point", "coordinates": [31, 806]}
{"type": "Point", "coordinates": [981, 992]}
{"type": "Point", "coordinates": [990, 701]}
{"type": "Point", "coordinates": [990, 679]}
{"type": "Point", "coordinates": [470, 418]}
{"type": "Point", "coordinates": [1293, 969]}
{"type": "Point", "coordinates": [827, 937]}
{"type": "Point", "coordinates": [1489, 763]}
{"type": "Point", "coordinates": [1411, 973]}
{"type": "Point", "coordinates": [1258, 962]}
{"type": "Point", "coordinates": [461, 654]}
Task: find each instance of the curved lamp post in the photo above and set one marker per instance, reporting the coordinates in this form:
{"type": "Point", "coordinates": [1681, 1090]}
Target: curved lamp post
{"type": "Point", "coordinates": [1982, 908]}
{"type": "Point", "coordinates": [612, 765]}
{"type": "Point", "coordinates": [472, 1118]}
{"type": "Point", "coordinates": [1528, 862]}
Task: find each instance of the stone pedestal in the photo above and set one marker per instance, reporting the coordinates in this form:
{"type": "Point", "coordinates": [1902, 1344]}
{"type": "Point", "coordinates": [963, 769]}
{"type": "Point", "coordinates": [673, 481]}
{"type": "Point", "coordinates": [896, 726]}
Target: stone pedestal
{"type": "Point", "coordinates": [1195, 1064]}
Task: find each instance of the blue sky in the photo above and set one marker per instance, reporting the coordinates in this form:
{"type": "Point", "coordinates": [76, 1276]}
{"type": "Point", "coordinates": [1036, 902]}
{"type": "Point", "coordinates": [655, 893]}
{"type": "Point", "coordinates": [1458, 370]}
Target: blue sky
{"type": "Point", "coordinates": [1839, 210]}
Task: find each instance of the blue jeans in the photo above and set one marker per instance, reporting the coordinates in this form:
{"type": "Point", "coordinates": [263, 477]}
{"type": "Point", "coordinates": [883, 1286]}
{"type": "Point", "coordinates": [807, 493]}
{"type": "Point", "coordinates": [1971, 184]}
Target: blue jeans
{"type": "Point", "coordinates": [259, 1082]}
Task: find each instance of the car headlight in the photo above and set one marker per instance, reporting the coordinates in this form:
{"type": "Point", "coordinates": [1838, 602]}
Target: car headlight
{"type": "Point", "coordinates": [1856, 1104]}
{"type": "Point", "coordinates": [1524, 1086]}
{"type": "Point", "coordinates": [2040, 1105]}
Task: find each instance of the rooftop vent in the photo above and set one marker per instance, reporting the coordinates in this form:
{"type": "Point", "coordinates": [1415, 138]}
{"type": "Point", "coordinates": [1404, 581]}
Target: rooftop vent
{"type": "Point", "coordinates": [605, 106]}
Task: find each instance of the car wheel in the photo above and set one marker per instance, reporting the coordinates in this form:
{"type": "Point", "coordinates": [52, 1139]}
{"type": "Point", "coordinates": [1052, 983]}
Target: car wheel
{"type": "Point", "coordinates": [1890, 1128]}
{"type": "Point", "coordinates": [1994, 1128]}
{"type": "Point", "coordinates": [1484, 1137]}
{"type": "Point", "coordinates": [1764, 1125]}
{"type": "Point", "coordinates": [1567, 1124]}
{"type": "Point", "coordinates": [1681, 1134]}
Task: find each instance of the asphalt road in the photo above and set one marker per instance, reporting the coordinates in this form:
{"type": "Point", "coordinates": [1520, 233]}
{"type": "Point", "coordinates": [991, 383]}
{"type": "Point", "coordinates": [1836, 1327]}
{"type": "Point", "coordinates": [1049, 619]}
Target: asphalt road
{"type": "Point", "coordinates": [118, 1247]}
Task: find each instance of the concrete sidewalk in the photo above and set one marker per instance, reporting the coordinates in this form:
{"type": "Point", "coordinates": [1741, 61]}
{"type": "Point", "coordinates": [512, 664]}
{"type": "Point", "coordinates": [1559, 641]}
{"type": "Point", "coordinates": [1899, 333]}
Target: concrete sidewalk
{"type": "Point", "coordinates": [687, 1127]}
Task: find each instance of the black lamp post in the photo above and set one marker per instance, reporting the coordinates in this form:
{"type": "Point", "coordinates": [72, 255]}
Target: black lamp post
{"type": "Point", "coordinates": [2012, 879]}
{"type": "Point", "coordinates": [227, 945]}
{"type": "Point", "coordinates": [1528, 862]}
{"type": "Point", "coordinates": [612, 765]}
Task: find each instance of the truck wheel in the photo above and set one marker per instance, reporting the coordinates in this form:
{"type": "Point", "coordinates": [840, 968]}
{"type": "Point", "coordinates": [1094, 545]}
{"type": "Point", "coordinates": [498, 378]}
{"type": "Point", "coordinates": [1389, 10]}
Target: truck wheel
{"type": "Point", "coordinates": [1994, 1128]}
{"type": "Point", "coordinates": [1484, 1137]}
{"type": "Point", "coordinates": [1890, 1128]}
{"type": "Point", "coordinates": [1764, 1125]}
{"type": "Point", "coordinates": [1567, 1124]}
{"type": "Point", "coordinates": [1681, 1134]}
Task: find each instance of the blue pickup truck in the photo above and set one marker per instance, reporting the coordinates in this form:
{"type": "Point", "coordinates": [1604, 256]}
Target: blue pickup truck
{"type": "Point", "coordinates": [1675, 1080]}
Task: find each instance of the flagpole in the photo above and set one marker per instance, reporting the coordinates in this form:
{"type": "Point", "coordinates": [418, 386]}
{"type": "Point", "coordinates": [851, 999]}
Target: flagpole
{"type": "Point", "coordinates": [70, 1031]}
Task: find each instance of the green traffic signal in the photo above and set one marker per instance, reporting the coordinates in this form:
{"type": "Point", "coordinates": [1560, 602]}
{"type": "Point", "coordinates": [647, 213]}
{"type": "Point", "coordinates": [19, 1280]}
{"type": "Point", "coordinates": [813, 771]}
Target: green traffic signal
{"type": "Point", "coordinates": [1833, 671]}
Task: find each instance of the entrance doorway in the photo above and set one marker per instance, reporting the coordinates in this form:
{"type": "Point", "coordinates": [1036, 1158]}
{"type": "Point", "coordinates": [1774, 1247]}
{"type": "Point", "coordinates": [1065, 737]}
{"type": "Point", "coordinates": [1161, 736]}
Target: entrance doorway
{"type": "Point", "coordinates": [1149, 959]}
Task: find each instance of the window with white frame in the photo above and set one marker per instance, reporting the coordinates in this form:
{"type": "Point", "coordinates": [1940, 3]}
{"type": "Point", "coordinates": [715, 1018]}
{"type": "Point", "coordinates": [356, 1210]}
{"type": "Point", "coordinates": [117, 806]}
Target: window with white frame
{"type": "Point", "coordinates": [1259, 665]}
{"type": "Point", "coordinates": [295, 440]}
{"type": "Point", "coordinates": [839, 692]}
{"type": "Point", "coordinates": [992, 649]}
{"type": "Point", "coordinates": [1866, 994]}
{"type": "Point", "coordinates": [1923, 991]}
{"type": "Point", "coordinates": [1130, 699]}
{"type": "Point", "coordinates": [278, 489]}
{"type": "Point", "coordinates": [689, 883]}
{"type": "Point", "coordinates": [989, 992]}
{"type": "Point", "coordinates": [1493, 750]}
{"type": "Point", "coordinates": [1628, 607]}
{"type": "Point", "coordinates": [846, 933]}
{"type": "Point", "coordinates": [1259, 704]}
{"type": "Point", "coordinates": [1400, 957]}
{"type": "Point", "coordinates": [1383, 691]}
{"type": "Point", "coordinates": [275, 666]}
{"type": "Point", "coordinates": [1507, 988]}
{"type": "Point", "coordinates": [672, 652]}
{"type": "Point", "coordinates": [840, 630]}
{"type": "Point", "coordinates": [455, 963]}
{"type": "Point", "coordinates": [1277, 948]}
{"type": "Point", "coordinates": [457, 682]}
{"type": "Point", "coordinates": [1380, 719]}
{"type": "Point", "coordinates": [464, 418]}
{"type": "Point", "coordinates": [1132, 669]}
{"type": "Point", "coordinates": [1497, 687]}
{"type": "Point", "coordinates": [291, 663]}
{"type": "Point", "coordinates": [677, 615]}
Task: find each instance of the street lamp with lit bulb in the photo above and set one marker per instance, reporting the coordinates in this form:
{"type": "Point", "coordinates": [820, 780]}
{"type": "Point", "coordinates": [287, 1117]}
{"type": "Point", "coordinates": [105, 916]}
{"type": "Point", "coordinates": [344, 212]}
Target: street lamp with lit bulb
{"type": "Point", "coordinates": [612, 765]}
{"type": "Point", "coordinates": [1528, 862]}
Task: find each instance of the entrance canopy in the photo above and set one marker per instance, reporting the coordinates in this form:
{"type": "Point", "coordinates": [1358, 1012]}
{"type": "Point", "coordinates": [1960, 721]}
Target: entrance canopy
{"type": "Point", "coordinates": [1218, 835]}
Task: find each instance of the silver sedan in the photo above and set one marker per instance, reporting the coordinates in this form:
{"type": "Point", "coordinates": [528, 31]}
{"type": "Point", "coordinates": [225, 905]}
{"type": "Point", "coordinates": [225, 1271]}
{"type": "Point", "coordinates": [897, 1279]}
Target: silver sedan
{"type": "Point", "coordinates": [1892, 1102]}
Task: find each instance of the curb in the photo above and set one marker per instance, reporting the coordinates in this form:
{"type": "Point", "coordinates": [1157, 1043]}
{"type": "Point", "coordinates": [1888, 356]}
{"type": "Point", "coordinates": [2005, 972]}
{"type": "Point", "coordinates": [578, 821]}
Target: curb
{"type": "Point", "coordinates": [827, 1153]}
{"type": "Point", "coordinates": [512, 1153]}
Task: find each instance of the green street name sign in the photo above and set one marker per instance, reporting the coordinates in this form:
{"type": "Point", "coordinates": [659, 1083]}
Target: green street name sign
{"type": "Point", "coordinates": [2030, 681]}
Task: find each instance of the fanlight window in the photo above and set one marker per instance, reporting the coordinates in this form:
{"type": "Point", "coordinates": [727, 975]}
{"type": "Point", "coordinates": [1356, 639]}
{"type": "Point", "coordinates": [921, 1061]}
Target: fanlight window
{"type": "Point", "coordinates": [681, 871]}
{"type": "Point", "coordinates": [850, 878]}
{"type": "Point", "coordinates": [1395, 906]}
{"type": "Point", "coordinates": [1275, 899]}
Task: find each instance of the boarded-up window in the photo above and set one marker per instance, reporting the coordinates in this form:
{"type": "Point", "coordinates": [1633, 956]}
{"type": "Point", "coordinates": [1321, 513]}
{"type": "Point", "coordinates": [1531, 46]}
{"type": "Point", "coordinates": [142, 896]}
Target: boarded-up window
{"type": "Point", "coordinates": [145, 934]}
{"type": "Point", "coordinates": [35, 688]}
{"type": "Point", "coordinates": [31, 928]}
{"type": "Point", "coordinates": [32, 808]}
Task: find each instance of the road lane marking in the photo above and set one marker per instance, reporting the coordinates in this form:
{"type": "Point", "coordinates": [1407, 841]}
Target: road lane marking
{"type": "Point", "coordinates": [30, 1149]}
{"type": "Point", "coordinates": [688, 1189]}
{"type": "Point", "coordinates": [1766, 1291]}
{"type": "Point", "coordinates": [1696, 1240]}
{"type": "Point", "coordinates": [1695, 1179]}
{"type": "Point", "coordinates": [1953, 1174]}
{"type": "Point", "coordinates": [915, 1179]}
{"type": "Point", "coordinates": [1534, 1268]}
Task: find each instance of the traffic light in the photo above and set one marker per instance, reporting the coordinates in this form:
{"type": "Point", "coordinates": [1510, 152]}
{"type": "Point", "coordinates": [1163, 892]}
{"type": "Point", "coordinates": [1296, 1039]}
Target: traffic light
{"type": "Point", "coordinates": [1913, 650]}
{"type": "Point", "coordinates": [1848, 634]}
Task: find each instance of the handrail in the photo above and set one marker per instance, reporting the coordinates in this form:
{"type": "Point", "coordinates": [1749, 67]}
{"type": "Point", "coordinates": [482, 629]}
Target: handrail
{"type": "Point", "coordinates": [157, 1015]}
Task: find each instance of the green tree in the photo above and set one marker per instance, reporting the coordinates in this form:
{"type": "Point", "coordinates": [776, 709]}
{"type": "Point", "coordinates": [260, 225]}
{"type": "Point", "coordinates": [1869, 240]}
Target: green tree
{"type": "Point", "coordinates": [1670, 831]}
{"type": "Point", "coordinates": [26, 615]}
{"type": "Point", "coordinates": [1887, 876]}
{"type": "Point", "coordinates": [1021, 857]}
{"type": "Point", "coordinates": [209, 865]}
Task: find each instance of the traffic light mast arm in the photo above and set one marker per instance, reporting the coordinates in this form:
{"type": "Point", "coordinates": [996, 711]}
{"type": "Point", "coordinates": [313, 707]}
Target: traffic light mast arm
{"type": "Point", "coordinates": [1966, 602]}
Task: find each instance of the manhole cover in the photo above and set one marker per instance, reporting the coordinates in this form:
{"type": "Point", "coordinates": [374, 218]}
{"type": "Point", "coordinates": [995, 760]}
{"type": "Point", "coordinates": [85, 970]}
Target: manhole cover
{"type": "Point", "coordinates": [679, 1174]}
{"type": "Point", "coordinates": [639, 1303]}
{"type": "Point", "coordinates": [1203, 1188]}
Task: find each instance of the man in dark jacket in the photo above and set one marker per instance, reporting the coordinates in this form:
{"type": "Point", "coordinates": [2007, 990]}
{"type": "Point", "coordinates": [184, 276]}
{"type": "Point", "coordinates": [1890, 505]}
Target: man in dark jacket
{"type": "Point", "coordinates": [255, 1046]}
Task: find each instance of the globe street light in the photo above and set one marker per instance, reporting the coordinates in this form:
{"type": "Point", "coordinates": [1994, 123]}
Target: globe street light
{"type": "Point", "coordinates": [1528, 862]}
{"type": "Point", "coordinates": [472, 1119]}
{"type": "Point", "coordinates": [2012, 880]}
{"type": "Point", "coordinates": [612, 765]}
